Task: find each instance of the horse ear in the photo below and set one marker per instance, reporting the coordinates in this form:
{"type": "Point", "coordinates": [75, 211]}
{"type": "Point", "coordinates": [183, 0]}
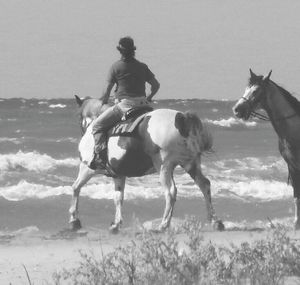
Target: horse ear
{"type": "Point", "coordinates": [266, 78]}
{"type": "Point", "coordinates": [252, 74]}
{"type": "Point", "coordinates": [78, 100]}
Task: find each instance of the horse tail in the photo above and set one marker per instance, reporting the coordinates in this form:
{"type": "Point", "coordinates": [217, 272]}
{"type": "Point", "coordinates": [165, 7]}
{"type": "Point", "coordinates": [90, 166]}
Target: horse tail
{"type": "Point", "coordinates": [199, 138]}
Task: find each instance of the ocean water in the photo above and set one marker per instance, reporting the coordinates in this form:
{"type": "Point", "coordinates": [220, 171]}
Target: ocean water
{"type": "Point", "coordinates": [200, 49]}
{"type": "Point", "coordinates": [39, 157]}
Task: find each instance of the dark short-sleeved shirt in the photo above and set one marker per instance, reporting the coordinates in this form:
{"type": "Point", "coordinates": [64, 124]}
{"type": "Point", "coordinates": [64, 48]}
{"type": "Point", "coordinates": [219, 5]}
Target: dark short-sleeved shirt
{"type": "Point", "coordinates": [130, 77]}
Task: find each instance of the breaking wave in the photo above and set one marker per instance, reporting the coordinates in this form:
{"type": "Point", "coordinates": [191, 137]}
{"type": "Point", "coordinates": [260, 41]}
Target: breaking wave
{"type": "Point", "coordinates": [57, 106]}
{"type": "Point", "coordinates": [266, 190]}
{"type": "Point", "coordinates": [232, 123]}
{"type": "Point", "coordinates": [259, 190]}
{"type": "Point", "coordinates": [33, 161]}
{"type": "Point", "coordinates": [249, 178]}
{"type": "Point", "coordinates": [12, 140]}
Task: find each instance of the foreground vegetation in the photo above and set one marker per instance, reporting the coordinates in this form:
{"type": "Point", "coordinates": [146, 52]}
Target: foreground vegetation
{"type": "Point", "coordinates": [158, 259]}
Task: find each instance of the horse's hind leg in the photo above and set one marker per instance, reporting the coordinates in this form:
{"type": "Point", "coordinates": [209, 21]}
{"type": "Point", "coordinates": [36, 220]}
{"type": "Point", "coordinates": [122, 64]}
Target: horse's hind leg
{"type": "Point", "coordinates": [84, 175]}
{"type": "Point", "coordinates": [204, 184]}
{"type": "Point", "coordinates": [167, 182]}
{"type": "Point", "coordinates": [295, 181]}
{"type": "Point", "coordinates": [119, 197]}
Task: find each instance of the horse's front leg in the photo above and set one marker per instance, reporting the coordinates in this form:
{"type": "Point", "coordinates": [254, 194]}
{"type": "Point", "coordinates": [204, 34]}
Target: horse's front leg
{"type": "Point", "coordinates": [118, 200]}
{"type": "Point", "coordinates": [84, 175]}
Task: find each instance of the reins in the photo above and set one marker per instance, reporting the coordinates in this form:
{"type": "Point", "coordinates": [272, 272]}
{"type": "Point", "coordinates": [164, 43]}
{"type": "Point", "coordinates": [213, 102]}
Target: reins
{"type": "Point", "coordinates": [260, 116]}
{"type": "Point", "coordinates": [266, 118]}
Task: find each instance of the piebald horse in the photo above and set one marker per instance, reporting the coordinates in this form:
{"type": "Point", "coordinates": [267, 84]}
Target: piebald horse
{"type": "Point", "coordinates": [164, 139]}
{"type": "Point", "coordinates": [284, 113]}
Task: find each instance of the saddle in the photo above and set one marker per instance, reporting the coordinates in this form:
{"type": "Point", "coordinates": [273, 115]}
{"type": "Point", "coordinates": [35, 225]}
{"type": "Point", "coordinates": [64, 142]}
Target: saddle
{"type": "Point", "coordinates": [129, 122]}
{"type": "Point", "coordinates": [131, 119]}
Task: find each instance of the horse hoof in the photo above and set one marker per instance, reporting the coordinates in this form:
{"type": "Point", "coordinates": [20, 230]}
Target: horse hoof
{"type": "Point", "coordinates": [161, 229]}
{"type": "Point", "coordinates": [219, 226]}
{"type": "Point", "coordinates": [75, 225]}
{"type": "Point", "coordinates": [114, 228]}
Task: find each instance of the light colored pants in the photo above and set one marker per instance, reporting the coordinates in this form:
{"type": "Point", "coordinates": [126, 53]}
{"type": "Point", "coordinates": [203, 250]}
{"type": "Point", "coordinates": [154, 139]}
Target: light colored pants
{"type": "Point", "coordinates": [111, 116]}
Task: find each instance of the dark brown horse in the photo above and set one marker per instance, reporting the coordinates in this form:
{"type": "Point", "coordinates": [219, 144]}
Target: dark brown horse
{"type": "Point", "coordinates": [163, 140]}
{"type": "Point", "coordinates": [284, 113]}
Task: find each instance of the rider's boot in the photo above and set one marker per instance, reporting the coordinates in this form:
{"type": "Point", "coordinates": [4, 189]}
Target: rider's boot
{"type": "Point", "coordinates": [100, 159]}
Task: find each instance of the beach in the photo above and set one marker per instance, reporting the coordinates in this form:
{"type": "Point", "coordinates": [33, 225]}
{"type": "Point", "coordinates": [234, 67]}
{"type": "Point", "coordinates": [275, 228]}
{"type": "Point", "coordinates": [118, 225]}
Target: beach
{"type": "Point", "coordinates": [43, 255]}
{"type": "Point", "coordinates": [200, 52]}
{"type": "Point", "coordinates": [39, 162]}
{"type": "Point", "coordinates": [35, 233]}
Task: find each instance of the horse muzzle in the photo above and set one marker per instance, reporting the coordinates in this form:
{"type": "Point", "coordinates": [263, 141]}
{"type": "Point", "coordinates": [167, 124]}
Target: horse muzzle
{"type": "Point", "coordinates": [241, 110]}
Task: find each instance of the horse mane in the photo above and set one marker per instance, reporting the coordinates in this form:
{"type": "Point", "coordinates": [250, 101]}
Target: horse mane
{"type": "Point", "coordinates": [293, 101]}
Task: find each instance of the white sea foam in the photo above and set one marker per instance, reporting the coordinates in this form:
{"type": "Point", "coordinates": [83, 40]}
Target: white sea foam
{"type": "Point", "coordinates": [102, 190]}
{"type": "Point", "coordinates": [12, 140]}
{"type": "Point", "coordinates": [45, 112]}
{"type": "Point", "coordinates": [25, 190]}
{"type": "Point", "coordinates": [57, 106]}
{"type": "Point", "coordinates": [69, 139]}
{"type": "Point", "coordinates": [250, 189]}
{"type": "Point", "coordinates": [33, 161]}
{"type": "Point", "coordinates": [247, 179]}
{"type": "Point", "coordinates": [251, 167]}
{"type": "Point", "coordinates": [266, 190]}
{"type": "Point", "coordinates": [260, 190]}
{"type": "Point", "coordinates": [43, 103]}
{"type": "Point", "coordinates": [9, 119]}
{"type": "Point", "coordinates": [232, 122]}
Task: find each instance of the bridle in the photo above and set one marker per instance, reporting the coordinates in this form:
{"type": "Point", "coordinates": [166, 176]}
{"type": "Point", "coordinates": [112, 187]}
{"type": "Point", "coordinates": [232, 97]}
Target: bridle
{"type": "Point", "coordinates": [254, 113]}
{"type": "Point", "coordinates": [262, 116]}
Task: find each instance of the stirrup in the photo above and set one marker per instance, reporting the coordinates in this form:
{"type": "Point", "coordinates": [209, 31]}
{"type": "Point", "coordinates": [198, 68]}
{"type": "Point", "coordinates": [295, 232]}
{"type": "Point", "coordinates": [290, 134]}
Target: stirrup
{"type": "Point", "coordinates": [109, 172]}
{"type": "Point", "coordinates": [97, 162]}
{"type": "Point", "coordinates": [100, 162]}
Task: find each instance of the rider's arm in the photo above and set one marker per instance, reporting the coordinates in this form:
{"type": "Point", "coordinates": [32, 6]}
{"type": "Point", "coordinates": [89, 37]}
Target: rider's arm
{"type": "Point", "coordinates": [110, 81]}
{"type": "Point", "coordinates": [106, 92]}
{"type": "Point", "coordinates": [154, 87]}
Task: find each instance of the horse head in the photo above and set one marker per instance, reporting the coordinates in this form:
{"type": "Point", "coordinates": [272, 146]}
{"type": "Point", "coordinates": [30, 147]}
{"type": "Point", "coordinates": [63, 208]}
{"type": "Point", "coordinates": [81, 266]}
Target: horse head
{"type": "Point", "coordinates": [253, 96]}
{"type": "Point", "coordinates": [89, 110]}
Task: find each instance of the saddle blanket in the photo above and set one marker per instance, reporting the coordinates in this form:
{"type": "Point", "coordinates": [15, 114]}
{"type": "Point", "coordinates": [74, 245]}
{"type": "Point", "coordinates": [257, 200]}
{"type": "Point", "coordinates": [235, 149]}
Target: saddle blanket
{"type": "Point", "coordinates": [127, 127]}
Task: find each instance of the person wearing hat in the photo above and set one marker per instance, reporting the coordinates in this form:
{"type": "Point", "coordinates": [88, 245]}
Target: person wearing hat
{"type": "Point", "coordinates": [130, 77]}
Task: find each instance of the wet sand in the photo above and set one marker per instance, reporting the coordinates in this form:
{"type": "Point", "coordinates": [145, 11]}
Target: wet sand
{"type": "Point", "coordinates": [51, 214]}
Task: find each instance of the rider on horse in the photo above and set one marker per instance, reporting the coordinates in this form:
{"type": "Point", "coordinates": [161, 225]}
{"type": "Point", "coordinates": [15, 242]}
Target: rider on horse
{"type": "Point", "coordinates": [130, 76]}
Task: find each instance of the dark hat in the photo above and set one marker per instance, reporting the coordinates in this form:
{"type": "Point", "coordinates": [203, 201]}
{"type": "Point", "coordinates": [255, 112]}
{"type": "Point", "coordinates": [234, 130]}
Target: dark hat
{"type": "Point", "coordinates": [126, 43]}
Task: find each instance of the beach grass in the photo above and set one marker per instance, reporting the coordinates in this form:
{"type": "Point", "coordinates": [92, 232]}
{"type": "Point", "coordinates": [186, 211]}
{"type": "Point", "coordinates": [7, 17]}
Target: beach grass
{"type": "Point", "coordinates": [152, 258]}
